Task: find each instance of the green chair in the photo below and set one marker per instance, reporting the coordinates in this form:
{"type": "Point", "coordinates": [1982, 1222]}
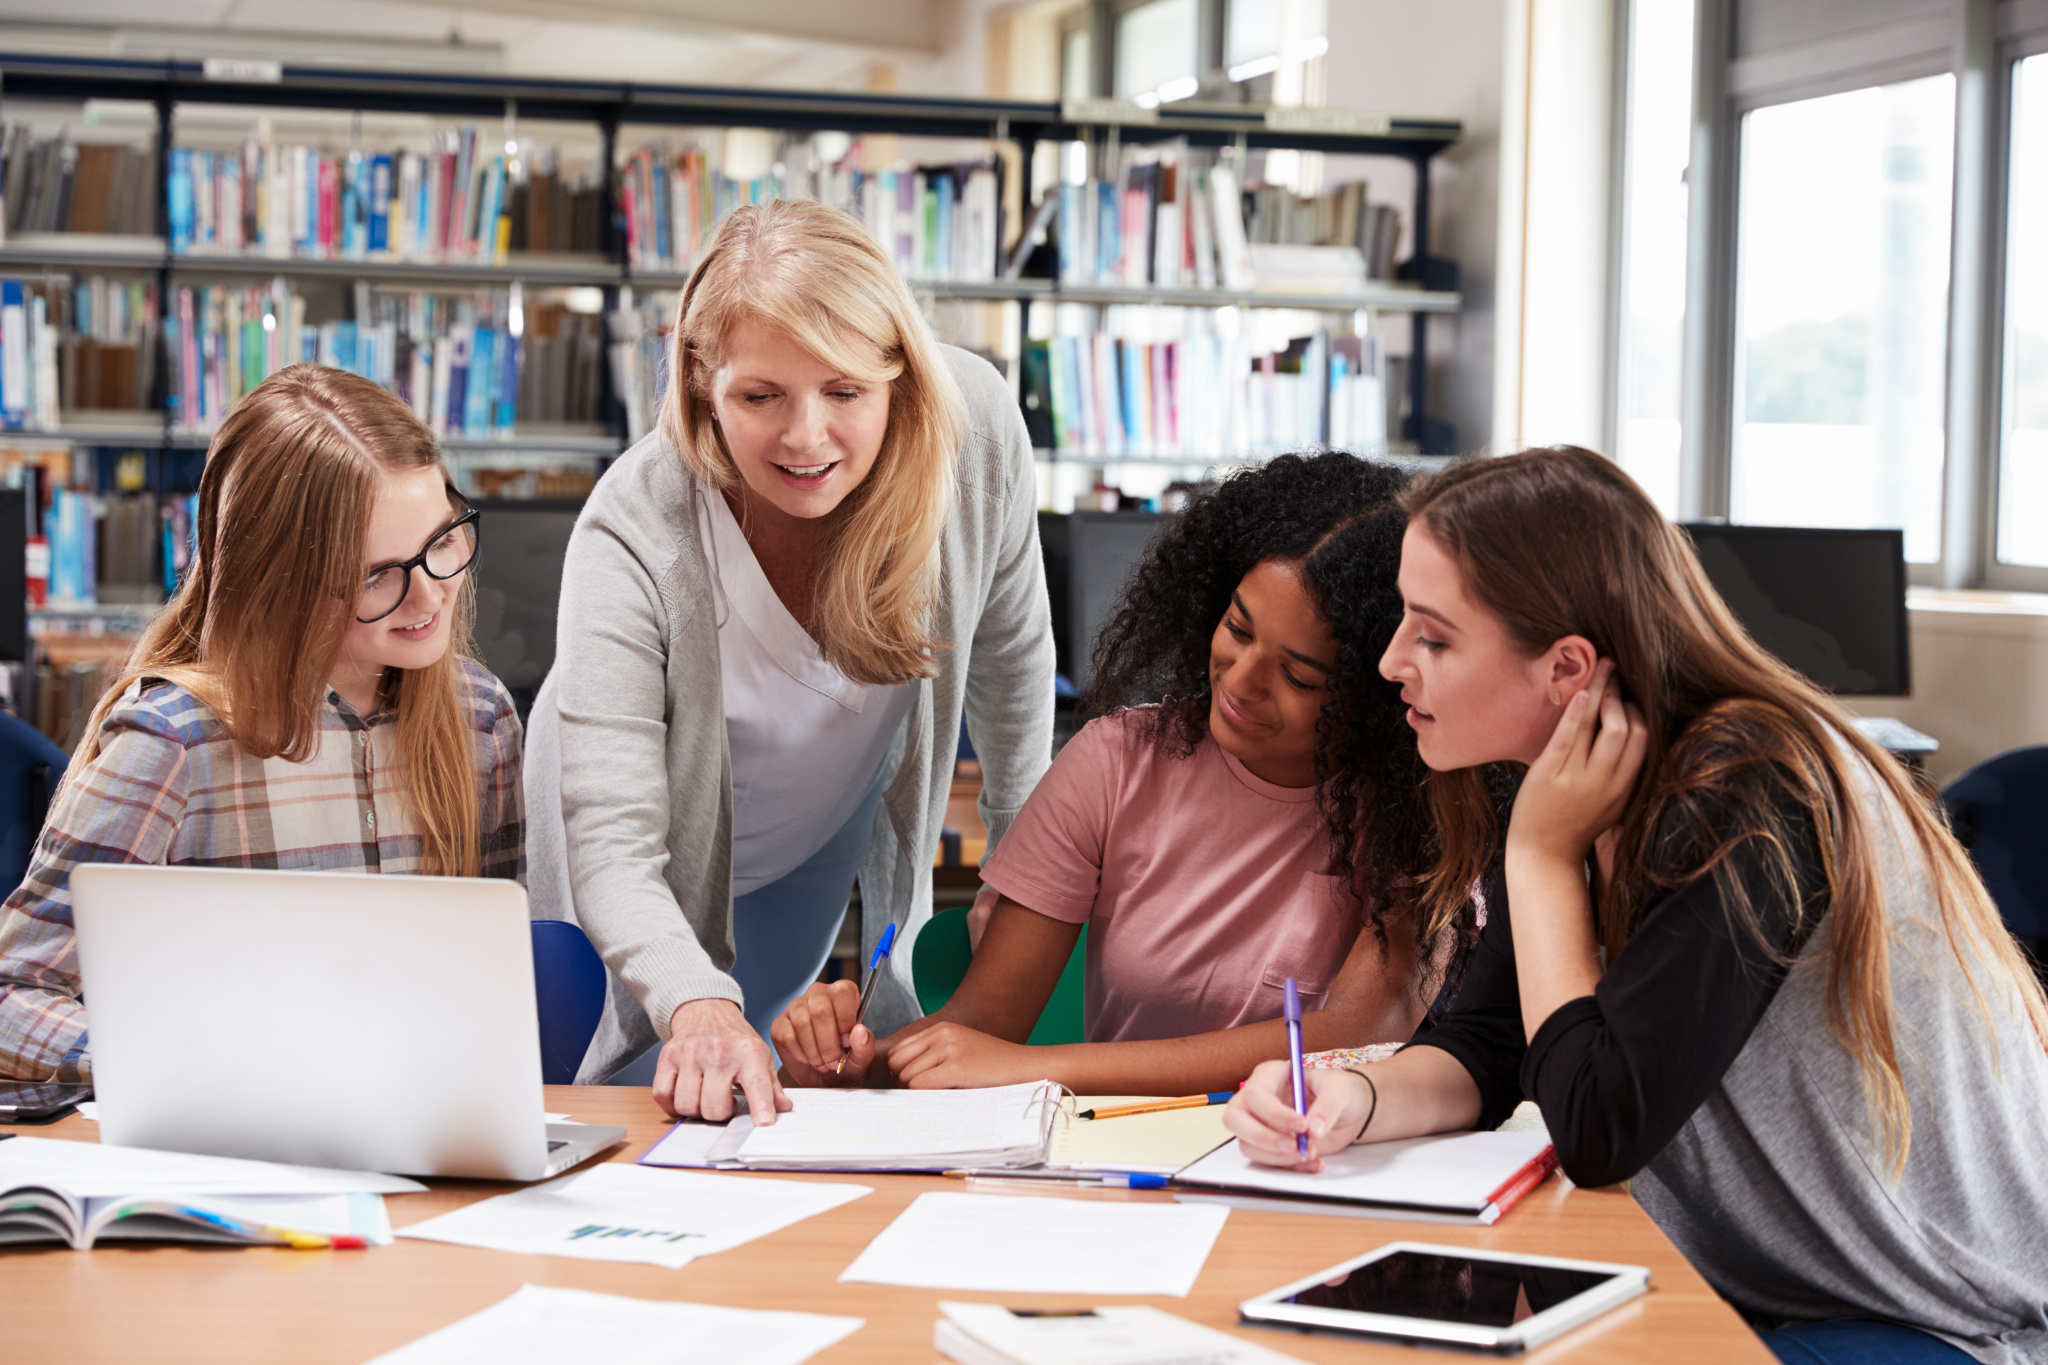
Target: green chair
{"type": "Point", "coordinates": [939, 961]}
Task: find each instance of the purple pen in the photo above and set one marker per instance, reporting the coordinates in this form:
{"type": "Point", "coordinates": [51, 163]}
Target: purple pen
{"type": "Point", "coordinates": [1293, 1008]}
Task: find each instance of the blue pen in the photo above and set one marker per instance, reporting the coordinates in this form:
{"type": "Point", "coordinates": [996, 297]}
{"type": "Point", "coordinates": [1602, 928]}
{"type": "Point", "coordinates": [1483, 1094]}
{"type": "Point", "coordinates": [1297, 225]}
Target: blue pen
{"type": "Point", "coordinates": [867, 992]}
{"type": "Point", "coordinates": [1293, 1008]}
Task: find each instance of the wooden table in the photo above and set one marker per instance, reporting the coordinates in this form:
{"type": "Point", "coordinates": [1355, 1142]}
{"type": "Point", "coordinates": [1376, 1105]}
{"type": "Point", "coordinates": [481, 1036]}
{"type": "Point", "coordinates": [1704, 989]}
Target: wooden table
{"type": "Point", "coordinates": [171, 1302]}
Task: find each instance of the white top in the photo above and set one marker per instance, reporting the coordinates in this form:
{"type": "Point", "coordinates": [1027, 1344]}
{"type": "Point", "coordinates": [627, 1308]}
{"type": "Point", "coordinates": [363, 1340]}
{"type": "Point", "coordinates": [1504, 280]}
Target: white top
{"type": "Point", "coordinates": [807, 741]}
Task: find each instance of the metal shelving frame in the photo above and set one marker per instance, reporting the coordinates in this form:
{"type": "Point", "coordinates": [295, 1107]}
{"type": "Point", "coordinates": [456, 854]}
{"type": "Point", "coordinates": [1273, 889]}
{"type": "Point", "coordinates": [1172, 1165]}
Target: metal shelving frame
{"type": "Point", "coordinates": [166, 84]}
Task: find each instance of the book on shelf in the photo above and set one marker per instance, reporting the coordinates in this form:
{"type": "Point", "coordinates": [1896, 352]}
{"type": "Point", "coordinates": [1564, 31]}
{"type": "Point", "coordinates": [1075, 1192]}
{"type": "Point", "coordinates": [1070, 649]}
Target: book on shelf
{"type": "Point", "coordinates": [470, 363]}
{"type": "Point", "coordinates": [68, 343]}
{"type": "Point", "coordinates": [1204, 396]}
{"type": "Point", "coordinates": [29, 381]}
{"type": "Point", "coordinates": [466, 197]}
{"type": "Point", "coordinates": [179, 520]}
{"type": "Point", "coordinates": [57, 184]}
{"type": "Point", "coordinates": [640, 338]}
{"type": "Point", "coordinates": [1174, 217]}
{"type": "Point", "coordinates": [107, 332]}
{"type": "Point", "coordinates": [937, 223]}
{"type": "Point", "coordinates": [72, 532]}
{"type": "Point", "coordinates": [130, 529]}
{"type": "Point", "coordinates": [1340, 217]}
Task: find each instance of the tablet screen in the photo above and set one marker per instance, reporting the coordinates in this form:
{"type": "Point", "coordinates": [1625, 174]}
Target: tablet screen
{"type": "Point", "coordinates": [1461, 1289]}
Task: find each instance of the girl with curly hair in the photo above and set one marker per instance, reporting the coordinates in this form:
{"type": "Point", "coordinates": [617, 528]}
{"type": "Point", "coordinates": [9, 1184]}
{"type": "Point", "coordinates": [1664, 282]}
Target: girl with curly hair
{"type": "Point", "coordinates": [1264, 821]}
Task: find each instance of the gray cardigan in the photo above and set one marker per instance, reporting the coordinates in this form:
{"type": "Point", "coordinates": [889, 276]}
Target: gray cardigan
{"type": "Point", "coordinates": [628, 777]}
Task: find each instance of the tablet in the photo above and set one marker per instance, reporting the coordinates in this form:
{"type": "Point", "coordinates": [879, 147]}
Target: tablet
{"type": "Point", "coordinates": [1450, 1296]}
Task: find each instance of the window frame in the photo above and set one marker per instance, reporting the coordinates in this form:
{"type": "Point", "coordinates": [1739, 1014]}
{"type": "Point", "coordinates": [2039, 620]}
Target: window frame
{"type": "Point", "coordinates": [1979, 43]}
{"type": "Point", "coordinates": [1777, 96]}
{"type": "Point", "coordinates": [1994, 573]}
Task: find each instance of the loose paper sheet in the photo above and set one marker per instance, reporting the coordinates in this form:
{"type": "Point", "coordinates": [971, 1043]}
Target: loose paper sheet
{"type": "Point", "coordinates": [1104, 1336]}
{"type": "Point", "coordinates": [617, 1212]}
{"type": "Point", "coordinates": [93, 1170]}
{"type": "Point", "coordinates": [1027, 1244]}
{"type": "Point", "coordinates": [540, 1326]}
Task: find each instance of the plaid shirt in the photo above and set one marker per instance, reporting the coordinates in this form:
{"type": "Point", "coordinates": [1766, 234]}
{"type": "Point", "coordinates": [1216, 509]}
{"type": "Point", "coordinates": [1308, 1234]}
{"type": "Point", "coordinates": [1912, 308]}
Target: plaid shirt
{"type": "Point", "coordinates": [170, 787]}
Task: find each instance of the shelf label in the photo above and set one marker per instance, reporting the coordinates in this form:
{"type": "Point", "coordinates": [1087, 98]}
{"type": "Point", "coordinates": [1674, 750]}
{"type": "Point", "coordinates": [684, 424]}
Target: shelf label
{"type": "Point", "coordinates": [1106, 111]}
{"type": "Point", "coordinates": [1356, 122]}
{"type": "Point", "coordinates": [243, 70]}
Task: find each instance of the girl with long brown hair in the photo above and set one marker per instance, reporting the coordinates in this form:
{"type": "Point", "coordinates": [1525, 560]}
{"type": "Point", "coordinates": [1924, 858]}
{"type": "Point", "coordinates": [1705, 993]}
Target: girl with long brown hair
{"type": "Point", "coordinates": [306, 700]}
{"type": "Point", "coordinates": [1731, 952]}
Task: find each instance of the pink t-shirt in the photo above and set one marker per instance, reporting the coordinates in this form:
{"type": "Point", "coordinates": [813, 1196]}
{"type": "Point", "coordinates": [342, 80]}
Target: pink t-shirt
{"type": "Point", "coordinates": [1203, 886]}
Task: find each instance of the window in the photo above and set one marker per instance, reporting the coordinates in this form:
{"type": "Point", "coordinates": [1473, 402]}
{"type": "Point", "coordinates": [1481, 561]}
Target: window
{"type": "Point", "coordinates": [1647, 432]}
{"type": "Point", "coordinates": [2023, 449]}
{"type": "Point", "coordinates": [1159, 51]}
{"type": "Point", "coordinates": [1077, 64]}
{"type": "Point", "coordinates": [1842, 309]}
{"type": "Point", "coordinates": [1260, 36]}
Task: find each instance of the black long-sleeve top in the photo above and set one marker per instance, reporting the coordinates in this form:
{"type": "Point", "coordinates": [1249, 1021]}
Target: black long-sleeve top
{"type": "Point", "coordinates": [1617, 1073]}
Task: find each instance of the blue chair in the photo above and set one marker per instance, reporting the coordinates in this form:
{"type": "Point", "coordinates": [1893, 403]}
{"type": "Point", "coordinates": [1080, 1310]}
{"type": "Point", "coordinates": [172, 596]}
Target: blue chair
{"type": "Point", "coordinates": [30, 768]}
{"type": "Point", "coordinates": [568, 988]}
{"type": "Point", "coordinates": [1999, 810]}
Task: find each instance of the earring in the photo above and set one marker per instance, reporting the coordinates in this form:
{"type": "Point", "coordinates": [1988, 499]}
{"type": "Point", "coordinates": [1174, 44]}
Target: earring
{"type": "Point", "coordinates": [1557, 699]}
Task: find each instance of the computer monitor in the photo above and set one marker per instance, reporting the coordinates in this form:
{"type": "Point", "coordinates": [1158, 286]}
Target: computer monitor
{"type": "Point", "coordinates": [1089, 557]}
{"type": "Point", "coordinates": [14, 517]}
{"type": "Point", "coordinates": [518, 586]}
{"type": "Point", "coordinates": [1831, 603]}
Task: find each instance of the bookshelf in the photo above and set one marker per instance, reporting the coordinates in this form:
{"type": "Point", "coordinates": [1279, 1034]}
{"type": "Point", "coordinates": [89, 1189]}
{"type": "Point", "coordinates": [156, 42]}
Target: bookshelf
{"type": "Point", "coordinates": [244, 154]}
{"type": "Point", "coordinates": [606, 112]}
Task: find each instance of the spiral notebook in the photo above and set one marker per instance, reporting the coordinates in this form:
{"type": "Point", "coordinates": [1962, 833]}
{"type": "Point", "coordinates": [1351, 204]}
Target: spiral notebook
{"type": "Point", "coordinates": [996, 1128]}
{"type": "Point", "coordinates": [1450, 1178]}
{"type": "Point", "coordinates": [991, 1130]}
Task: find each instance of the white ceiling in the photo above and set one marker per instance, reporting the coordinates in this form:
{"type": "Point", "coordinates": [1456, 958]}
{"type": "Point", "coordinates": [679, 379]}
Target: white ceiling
{"type": "Point", "coordinates": [807, 43]}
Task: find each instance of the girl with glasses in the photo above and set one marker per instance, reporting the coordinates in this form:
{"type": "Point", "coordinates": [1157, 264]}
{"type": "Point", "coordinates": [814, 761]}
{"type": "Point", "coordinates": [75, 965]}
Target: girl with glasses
{"type": "Point", "coordinates": [306, 700]}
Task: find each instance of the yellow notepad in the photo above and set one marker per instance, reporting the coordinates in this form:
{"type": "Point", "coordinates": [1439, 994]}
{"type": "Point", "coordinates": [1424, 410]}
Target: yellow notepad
{"type": "Point", "coordinates": [1150, 1144]}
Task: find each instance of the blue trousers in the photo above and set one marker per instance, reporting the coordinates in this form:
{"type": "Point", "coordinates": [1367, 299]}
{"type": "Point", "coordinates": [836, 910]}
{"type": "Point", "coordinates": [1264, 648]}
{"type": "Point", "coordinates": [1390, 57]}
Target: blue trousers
{"type": "Point", "coordinates": [783, 932]}
{"type": "Point", "coordinates": [1860, 1342]}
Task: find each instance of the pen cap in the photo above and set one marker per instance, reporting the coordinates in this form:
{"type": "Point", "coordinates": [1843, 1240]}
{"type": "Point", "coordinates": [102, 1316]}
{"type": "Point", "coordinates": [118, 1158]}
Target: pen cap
{"type": "Point", "coordinates": [1293, 1002]}
{"type": "Point", "coordinates": [882, 948]}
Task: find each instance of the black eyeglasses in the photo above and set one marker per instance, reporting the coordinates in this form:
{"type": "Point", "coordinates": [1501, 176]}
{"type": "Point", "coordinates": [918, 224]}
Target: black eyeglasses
{"type": "Point", "coordinates": [446, 555]}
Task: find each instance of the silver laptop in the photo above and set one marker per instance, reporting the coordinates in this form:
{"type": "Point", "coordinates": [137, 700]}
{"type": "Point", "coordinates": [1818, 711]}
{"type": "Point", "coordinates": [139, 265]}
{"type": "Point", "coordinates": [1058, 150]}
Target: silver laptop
{"type": "Point", "coordinates": [319, 1018]}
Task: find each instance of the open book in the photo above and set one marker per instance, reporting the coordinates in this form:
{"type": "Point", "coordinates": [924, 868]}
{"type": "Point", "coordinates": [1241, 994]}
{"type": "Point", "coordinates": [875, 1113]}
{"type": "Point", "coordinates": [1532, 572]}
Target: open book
{"type": "Point", "coordinates": [80, 1193]}
{"type": "Point", "coordinates": [34, 1214]}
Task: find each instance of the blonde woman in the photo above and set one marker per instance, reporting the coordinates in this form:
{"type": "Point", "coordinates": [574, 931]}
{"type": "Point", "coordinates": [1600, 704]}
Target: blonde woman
{"type": "Point", "coordinates": [306, 701]}
{"type": "Point", "coordinates": [774, 611]}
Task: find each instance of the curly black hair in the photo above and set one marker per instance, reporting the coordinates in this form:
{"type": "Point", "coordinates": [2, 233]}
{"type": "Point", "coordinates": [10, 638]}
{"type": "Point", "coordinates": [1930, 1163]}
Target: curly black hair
{"type": "Point", "coordinates": [1338, 517]}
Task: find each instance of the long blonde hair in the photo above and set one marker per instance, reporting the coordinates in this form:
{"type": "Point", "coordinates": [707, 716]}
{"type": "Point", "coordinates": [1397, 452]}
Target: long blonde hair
{"type": "Point", "coordinates": [1561, 542]}
{"type": "Point", "coordinates": [814, 273]}
{"type": "Point", "coordinates": [259, 620]}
